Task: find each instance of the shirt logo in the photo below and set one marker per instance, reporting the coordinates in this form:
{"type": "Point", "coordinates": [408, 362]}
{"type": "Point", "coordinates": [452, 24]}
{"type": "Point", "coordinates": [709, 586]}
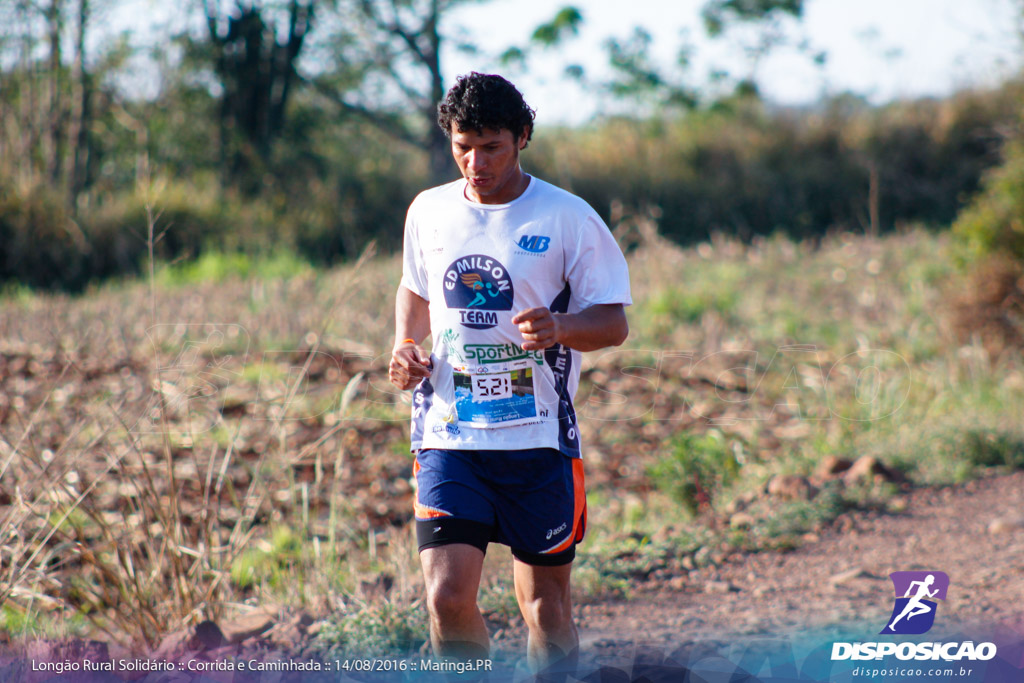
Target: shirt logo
{"type": "Point", "coordinates": [534, 243]}
{"type": "Point", "coordinates": [914, 610]}
{"type": "Point", "coordinates": [478, 286]}
{"type": "Point", "coordinates": [554, 532]}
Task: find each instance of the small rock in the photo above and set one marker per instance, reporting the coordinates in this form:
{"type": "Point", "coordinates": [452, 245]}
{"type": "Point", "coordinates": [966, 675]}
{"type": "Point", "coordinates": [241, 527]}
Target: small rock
{"type": "Point", "coordinates": [898, 504]}
{"type": "Point", "coordinates": [702, 556]}
{"type": "Point", "coordinates": [741, 520]}
{"type": "Point", "coordinates": [202, 637]}
{"type": "Point", "coordinates": [173, 644]}
{"type": "Point", "coordinates": [247, 627]}
{"type": "Point", "coordinates": [791, 487]}
{"type": "Point", "coordinates": [847, 576]}
{"type": "Point", "coordinates": [293, 632]}
{"type": "Point", "coordinates": [677, 583]}
{"type": "Point", "coordinates": [1005, 525]}
{"type": "Point", "coordinates": [869, 468]}
{"type": "Point", "coordinates": [719, 587]}
{"type": "Point", "coordinates": [740, 503]}
{"type": "Point", "coordinates": [206, 635]}
{"type": "Point", "coordinates": [377, 589]}
{"type": "Point", "coordinates": [687, 563]}
{"type": "Point", "coordinates": [831, 466]}
{"type": "Point", "coordinates": [664, 534]}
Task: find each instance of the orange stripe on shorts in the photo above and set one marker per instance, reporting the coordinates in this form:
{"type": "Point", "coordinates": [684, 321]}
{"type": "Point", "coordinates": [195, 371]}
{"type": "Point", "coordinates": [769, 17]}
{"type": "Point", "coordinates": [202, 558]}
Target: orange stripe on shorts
{"type": "Point", "coordinates": [579, 513]}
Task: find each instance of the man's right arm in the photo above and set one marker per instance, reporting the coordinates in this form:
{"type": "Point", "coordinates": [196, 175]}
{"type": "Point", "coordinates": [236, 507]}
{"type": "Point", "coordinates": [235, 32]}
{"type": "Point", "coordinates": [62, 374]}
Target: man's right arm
{"type": "Point", "coordinates": [409, 362]}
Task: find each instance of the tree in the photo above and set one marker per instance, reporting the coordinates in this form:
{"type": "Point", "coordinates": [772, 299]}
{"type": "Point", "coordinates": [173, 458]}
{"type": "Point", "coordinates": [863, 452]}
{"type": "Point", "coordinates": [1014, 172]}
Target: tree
{"type": "Point", "coordinates": [255, 63]}
{"type": "Point", "coordinates": [386, 69]}
{"type": "Point", "coordinates": [636, 75]}
{"type": "Point", "coordinates": [47, 114]}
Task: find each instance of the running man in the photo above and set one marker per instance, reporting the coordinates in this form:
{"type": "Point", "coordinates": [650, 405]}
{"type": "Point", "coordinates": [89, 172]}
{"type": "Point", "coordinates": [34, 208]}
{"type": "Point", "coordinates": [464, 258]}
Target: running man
{"type": "Point", "coordinates": [914, 606]}
{"type": "Point", "coordinates": [493, 463]}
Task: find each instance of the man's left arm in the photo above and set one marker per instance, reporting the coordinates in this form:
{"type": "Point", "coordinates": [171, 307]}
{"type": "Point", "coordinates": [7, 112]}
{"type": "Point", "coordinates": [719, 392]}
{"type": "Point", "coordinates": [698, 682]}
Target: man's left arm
{"type": "Point", "coordinates": [593, 328]}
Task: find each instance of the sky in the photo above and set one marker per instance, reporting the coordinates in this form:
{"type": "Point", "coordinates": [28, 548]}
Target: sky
{"type": "Point", "coordinates": [881, 49]}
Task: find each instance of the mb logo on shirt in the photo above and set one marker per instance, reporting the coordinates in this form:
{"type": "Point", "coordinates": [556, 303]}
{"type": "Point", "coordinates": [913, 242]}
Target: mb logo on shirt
{"type": "Point", "coordinates": [534, 243]}
{"type": "Point", "coordinates": [478, 286]}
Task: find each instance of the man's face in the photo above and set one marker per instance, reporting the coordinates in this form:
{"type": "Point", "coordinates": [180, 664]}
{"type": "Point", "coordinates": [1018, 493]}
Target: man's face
{"type": "Point", "coordinates": [489, 161]}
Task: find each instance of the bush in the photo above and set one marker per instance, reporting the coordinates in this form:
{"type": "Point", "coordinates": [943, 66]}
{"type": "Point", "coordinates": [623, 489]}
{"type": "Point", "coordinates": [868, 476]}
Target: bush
{"type": "Point", "coordinates": [752, 170]}
{"type": "Point", "coordinates": [994, 221]}
{"type": "Point", "coordinates": [42, 247]}
{"type": "Point", "coordinates": [696, 470]}
{"type": "Point", "coordinates": [990, 234]}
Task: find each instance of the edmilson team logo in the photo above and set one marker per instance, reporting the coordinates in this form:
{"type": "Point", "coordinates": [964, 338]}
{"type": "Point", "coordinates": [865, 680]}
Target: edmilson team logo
{"type": "Point", "coordinates": [478, 286]}
{"type": "Point", "coordinates": [916, 596]}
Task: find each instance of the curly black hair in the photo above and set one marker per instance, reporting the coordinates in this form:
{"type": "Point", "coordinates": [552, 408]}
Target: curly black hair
{"type": "Point", "coordinates": [480, 101]}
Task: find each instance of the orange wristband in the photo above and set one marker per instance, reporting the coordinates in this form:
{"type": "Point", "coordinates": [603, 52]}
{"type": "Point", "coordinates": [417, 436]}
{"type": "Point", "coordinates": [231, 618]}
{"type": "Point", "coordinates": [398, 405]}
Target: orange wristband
{"type": "Point", "coordinates": [408, 341]}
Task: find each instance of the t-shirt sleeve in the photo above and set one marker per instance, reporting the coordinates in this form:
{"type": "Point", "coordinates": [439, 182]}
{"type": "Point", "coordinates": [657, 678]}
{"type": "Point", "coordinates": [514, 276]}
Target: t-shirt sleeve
{"type": "Point", "coordinates": [596, 271]}
{"type": "Point", "coordinates": [414, 272]}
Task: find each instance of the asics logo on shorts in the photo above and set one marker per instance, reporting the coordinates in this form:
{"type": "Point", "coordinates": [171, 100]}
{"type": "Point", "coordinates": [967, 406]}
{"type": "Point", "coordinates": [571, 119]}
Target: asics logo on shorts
{"type": "Point", "coordinates": [555, 532]}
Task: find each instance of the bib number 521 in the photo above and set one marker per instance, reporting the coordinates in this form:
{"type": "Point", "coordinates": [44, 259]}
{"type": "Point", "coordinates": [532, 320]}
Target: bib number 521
{"type": "Point", "coordinates": [491, 387]}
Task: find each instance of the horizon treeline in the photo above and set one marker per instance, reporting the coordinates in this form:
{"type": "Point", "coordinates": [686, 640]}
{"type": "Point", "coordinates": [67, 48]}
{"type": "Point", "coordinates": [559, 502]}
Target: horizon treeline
{"type": "Point", "coordinates": [241, 151]}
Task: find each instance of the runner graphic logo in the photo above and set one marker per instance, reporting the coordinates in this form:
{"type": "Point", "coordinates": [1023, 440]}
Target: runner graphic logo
{"type": "Point", "coordinates": [916, 600]}
{"type": "Point", "coordinates": [479, 286]}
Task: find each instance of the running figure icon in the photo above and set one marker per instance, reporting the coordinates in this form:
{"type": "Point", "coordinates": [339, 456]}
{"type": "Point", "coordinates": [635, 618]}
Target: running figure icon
{"type": "Point", "coordinates": [915, 606]}
{"type": "Point", "coordinates": [476, 283]}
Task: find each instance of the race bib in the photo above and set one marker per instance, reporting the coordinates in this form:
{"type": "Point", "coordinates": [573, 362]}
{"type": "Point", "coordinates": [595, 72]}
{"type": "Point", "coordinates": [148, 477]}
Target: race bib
{"type": "Point", "coordinates": [495, 396]}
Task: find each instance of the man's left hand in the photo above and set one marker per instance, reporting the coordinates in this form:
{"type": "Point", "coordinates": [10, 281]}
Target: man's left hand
{"type": "Point", "coordinates": [539, 326]}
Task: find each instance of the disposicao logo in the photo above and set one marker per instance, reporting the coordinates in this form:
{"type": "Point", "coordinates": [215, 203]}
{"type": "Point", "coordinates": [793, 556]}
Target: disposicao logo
{"type": "Point", "coordinates": [916, 595]}
{"type": "Point", "coordinates": [913, 613]}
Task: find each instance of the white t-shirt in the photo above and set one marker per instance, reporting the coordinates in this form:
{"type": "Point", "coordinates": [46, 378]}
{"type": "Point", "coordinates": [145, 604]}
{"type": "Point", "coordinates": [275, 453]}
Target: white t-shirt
{"type": "Point", "coordinates": [478, 265]}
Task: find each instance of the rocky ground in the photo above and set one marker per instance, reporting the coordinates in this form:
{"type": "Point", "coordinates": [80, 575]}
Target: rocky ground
{"type": "Point", "coordinates": [973, 532]}
{"type": "Point", "coordinates": [837, 584]}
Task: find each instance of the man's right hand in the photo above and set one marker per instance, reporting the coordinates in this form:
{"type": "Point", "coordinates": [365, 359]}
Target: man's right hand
{"type": "Point", "coordinates": [409, 364]}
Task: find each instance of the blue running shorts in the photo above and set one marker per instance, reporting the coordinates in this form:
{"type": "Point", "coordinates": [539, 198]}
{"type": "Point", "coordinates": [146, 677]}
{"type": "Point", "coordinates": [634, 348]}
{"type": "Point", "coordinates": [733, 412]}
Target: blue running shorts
{"type": "Point", "coordinates": [531, 500]}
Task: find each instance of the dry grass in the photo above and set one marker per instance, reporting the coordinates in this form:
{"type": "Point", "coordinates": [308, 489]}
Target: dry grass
{"type": "Point", "coordinates": [163, 461]}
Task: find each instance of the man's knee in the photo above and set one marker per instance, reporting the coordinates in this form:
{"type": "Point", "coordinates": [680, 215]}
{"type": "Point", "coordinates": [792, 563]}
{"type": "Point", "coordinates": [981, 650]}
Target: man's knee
{"type": "Point", "coordinates": [448, 599]}
{"type": "Point", "coordinates": [547, 614]}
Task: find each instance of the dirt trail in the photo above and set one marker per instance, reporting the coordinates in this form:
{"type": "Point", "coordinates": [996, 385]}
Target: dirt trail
{"type": "Point", "coordinates": [842, 579]}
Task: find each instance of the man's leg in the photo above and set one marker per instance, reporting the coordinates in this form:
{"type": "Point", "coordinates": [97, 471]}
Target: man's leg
{"type": "Point", "coordinates": [545, 600]}
{"type": "Point", "coordinates": [452, 573]}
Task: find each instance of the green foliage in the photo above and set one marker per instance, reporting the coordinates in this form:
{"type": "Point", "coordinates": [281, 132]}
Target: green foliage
{"type": "Point", "coordinates": [42, 248]}
{"type": "Point", "coordinates": [566, 21]}
{"type": "Point", "coordinates": [793, 518]}
{"type": "Point", "coordinates": [17, 622]}
{"type": "Point", "coordinates": [951, 450]}
{"type": "Point", "coordinates": [990, 448]}
{"type": "Point", "coordinates": [216, 266]}
{"type": "Point", "coordinates": [691, 301]}
{"type": "Point", "coordinates": [696, 470]}
{"type": "Point", "coordinates": [498, 601]}
{"type": "Point", "coordinates": [741, 168]}
{"type": "Point", "coordinates": [376, 630]}
{"type": "Point", "coordinates": [269, 562]}
{"type": "Point", "coordinates": [994, 221]}
{"type": "Point", "coordinates": [718, 14]}
{"type": "Point", "coordinates": [637, 76]}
